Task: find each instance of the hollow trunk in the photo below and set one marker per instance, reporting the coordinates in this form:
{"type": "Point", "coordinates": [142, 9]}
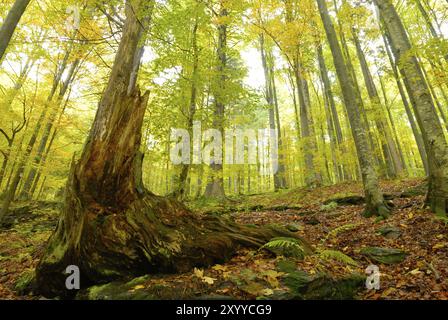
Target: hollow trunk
{"type": "Point", "coordinates": [111, 227]}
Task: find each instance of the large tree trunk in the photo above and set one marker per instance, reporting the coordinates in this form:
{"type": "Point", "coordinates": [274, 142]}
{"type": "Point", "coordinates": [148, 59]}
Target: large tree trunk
{"type": "Point", "coordinates": [10, 24]}
{"type": "Point", "coordinates": [427, 118]}
{"type": "Point", "coordinates": [375, 204]}
{"type": "Point", "coordinates": [112, 227]}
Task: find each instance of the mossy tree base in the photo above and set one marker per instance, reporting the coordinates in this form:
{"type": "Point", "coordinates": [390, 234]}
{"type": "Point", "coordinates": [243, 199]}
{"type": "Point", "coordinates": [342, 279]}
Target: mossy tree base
{"type": "Point", "coordinates": [152, 235]}
{"type": "Point", "coordinates": [111, 227]}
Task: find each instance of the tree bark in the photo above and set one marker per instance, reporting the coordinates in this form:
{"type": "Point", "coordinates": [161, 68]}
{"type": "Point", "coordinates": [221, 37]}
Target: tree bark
{"type": "Point", "coordinates": [391, 154]}
{"type": "Point", "coordinates": [10, 24]}
{"type": "Point", "coordinates": [375, 204]}
{"type": "Point", "coordinates": [428, 120]}
{"type": "Point", "coordinates": [407, 107]}
{"type": "Point", "coordinates": [111, 227]}
{"type": "Point", "coordinates": [215, 184]}
{"type": "Point", "coordinates": [274, 115]}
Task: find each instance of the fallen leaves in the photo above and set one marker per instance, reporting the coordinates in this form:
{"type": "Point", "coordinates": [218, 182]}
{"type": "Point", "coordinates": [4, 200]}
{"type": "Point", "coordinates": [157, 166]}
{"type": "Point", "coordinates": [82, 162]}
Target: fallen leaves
{"type": "Point", "coordinates": [251, 274]}
{"type": "Point", "coordinates": [199, 273]}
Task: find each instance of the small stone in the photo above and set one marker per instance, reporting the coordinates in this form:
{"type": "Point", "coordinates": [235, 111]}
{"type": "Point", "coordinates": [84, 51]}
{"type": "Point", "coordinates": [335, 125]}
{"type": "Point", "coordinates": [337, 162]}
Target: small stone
{"type": "Point", "coordinates": [384, 255]}
{"type": "Point", "coordinates": [390, 232]}
{"type": "Point", "coordinates": [294, 227]}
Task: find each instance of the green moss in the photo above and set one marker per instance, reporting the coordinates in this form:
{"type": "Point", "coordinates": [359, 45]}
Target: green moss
{"type": "Point", "coordinates": [384, 255]}
{"type": "Point", "coordinates": [25, 279]}
{"type": "Point", "coordinates": [323, 287]}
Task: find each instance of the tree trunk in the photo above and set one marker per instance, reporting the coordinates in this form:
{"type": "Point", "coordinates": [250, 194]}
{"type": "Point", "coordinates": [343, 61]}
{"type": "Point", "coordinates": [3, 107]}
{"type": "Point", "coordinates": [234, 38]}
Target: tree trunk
{"type": "Point", "coordinates": [215, 185]}
{"type": "Point", "coordinates": [407, 107]}
{"type": "Point", "coordinates": [280, 175]}
{"type": "Point", "coordinates": [430, 126]}
{"type": "Point", "coordinates": [111, 227]}
{"type": "Point", "coordinates": [180, 192]}
{"type": "Point", "coordinates": [333, 116]}
{"type": "Point", "coordinates": [18, 175]}
{"type": "Point", "coordinates": [307, 130]}
{"type": "Point", "coordinates": [391, 154]}
{"type": "Point", "coordinates": [274, 121]}
{"type": "Point", "coordinates": [10, 24]}
{"type": "Point", "coordinates": [25, 193]}
{"type": "Point", "coordinates": [375, 204]}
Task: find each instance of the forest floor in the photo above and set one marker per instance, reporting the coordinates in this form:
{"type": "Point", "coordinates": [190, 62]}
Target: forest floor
{"type": "Point", "coordinates": [332, 226]}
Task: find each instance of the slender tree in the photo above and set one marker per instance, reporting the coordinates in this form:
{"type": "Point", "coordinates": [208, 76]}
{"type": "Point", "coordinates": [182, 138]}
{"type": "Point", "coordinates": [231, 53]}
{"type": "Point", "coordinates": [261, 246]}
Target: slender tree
{"type": "Point", "coordinates": [427, 118]}
{"type": "Point", "coordinates": [10, 24]}
{"type": "Point", "coordinates": [375, 204]}
{"type": "Point", "coordinates": [215, 185]}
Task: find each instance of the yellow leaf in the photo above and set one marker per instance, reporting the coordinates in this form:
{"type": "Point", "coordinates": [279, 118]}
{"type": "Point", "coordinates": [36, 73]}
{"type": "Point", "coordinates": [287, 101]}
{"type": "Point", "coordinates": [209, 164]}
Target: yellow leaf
{"type": "Point", "coordinates": [388, 292]}
{"type": "Point", "coordinates": [219, 267]}
{"type": "Point", "coordinates": [410, 216]}
{"type": "Point", "coordinates": [415, 272]}
{"type": "Point", "coordinates": [253, 288]}
{"type": "Point", "coordinates": [138, 287]}
{"type": "Point", "coordinates": [438, 246]}
{"type": "Point", "coordinates": [225, 290]}
{"type": "Point", "coordinates": [267, 292]}
{"type": "Point", "coordinates": [199, 273]}
{"type": "Point", "coordinates": [208, 280]}
{"type": "Point", "coordinates": [421, 264]}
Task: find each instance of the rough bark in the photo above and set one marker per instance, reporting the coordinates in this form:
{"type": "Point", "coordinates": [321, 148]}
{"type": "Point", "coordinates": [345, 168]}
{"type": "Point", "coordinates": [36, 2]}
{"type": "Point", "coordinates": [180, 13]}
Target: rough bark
{"type": "Point", "coordinates": [111, 227]}
{"type": "Point", "coordinates": [429, 123]}
{"type": "Point", "coordinates": [375, 204]}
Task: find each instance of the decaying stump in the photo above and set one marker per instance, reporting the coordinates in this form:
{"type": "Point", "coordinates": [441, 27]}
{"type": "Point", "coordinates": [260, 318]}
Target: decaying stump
{"type": "Point", "coordinates": [111, 227]}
